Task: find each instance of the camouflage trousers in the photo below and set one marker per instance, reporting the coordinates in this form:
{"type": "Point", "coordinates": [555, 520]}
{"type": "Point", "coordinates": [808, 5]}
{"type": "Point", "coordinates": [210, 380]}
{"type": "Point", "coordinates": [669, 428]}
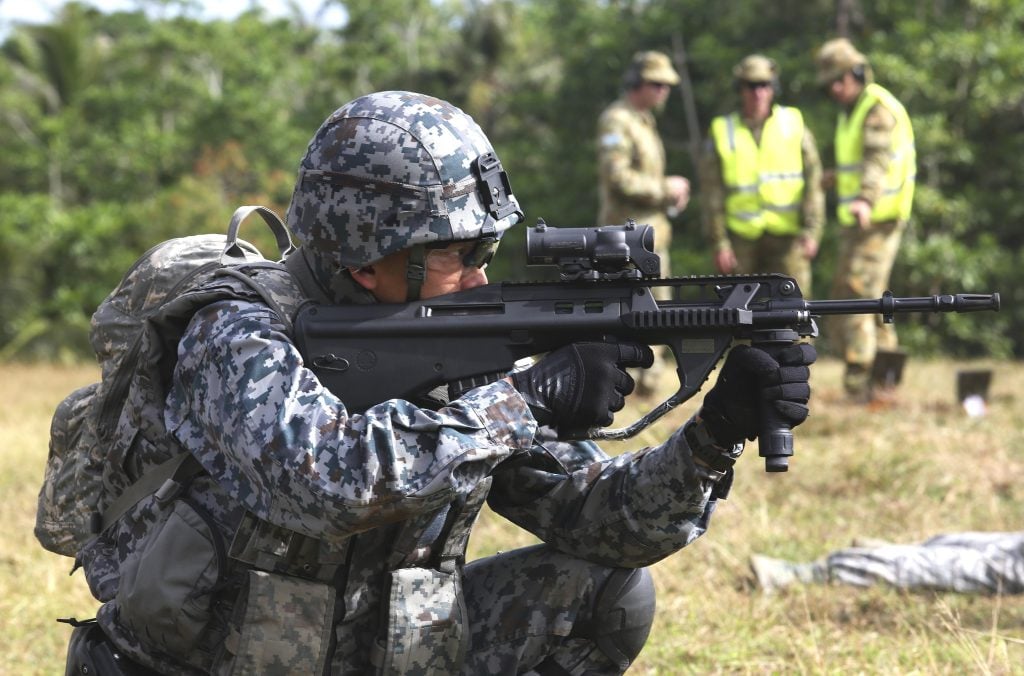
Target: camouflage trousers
{"type": "Point", "coordinates": [529, 609]}
{"type": "Point", "coordinates": [974, 562]}
{"type": "Point", "coordinates": [865, 262]}
{"type": "Point", "coordinates": [771, 253]}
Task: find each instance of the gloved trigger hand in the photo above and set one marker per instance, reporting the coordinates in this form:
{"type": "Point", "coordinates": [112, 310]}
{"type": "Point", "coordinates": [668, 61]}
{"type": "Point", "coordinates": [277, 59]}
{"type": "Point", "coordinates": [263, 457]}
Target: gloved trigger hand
{"type": "Point", "coordinates": [581, 385]}
{"type": "Point", "coordinates": [777, 375]}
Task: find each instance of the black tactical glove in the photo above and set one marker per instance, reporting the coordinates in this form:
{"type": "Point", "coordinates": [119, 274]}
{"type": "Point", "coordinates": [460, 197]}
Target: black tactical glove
{"type": "Point", "coordinates": [581, 385]}
{"type": "Point", "coordinates": [751, 375]}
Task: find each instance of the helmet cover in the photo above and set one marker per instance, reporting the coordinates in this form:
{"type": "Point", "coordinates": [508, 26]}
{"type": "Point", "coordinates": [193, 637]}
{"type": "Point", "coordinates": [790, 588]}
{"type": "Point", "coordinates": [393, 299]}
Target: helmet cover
{"type": "Point", "coordinates": [392, 170]}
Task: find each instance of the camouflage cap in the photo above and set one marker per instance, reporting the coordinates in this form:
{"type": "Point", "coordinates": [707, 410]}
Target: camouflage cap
{"type": "Point", "coordinates": [756, 68]}
{"type": "Point", "coordinates": [653, 67]}
{"type": "Point", "coordinates": [391, 170]}
{"type": "Point", "coordinates": [836, 57]}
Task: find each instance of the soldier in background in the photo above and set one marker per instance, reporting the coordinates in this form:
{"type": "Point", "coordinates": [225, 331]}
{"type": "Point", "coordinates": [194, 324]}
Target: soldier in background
{"type": "Point", "coordinates": [761, 181]}
{"type": "Point", "coordinates": [874, 178]}
{"type": "Point", "coordinates": [633, 183]}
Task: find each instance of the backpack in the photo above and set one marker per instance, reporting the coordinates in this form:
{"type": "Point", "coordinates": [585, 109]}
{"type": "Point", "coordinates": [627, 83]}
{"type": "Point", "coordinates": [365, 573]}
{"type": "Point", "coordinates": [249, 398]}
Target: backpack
{"type": "Point", "coordinates": [134, 333]}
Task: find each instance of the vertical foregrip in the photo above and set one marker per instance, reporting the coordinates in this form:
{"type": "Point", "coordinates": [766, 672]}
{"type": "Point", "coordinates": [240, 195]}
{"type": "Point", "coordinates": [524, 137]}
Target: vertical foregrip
{"type": "Point", "coordinates": [775, 438]}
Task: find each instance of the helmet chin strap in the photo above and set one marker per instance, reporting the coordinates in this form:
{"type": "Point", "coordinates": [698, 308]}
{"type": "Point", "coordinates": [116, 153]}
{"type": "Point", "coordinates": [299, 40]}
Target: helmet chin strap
{"type": "Point", "coordinates": [415, 272]}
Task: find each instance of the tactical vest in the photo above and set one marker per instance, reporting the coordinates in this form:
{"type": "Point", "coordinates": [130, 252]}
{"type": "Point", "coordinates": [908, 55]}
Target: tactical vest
{"type": "Point", "coordinates": [898, 189]}
{"type": "Point", "coordinates": [267, 600]}
{"type": "Point", "coordinates": [764, 183]}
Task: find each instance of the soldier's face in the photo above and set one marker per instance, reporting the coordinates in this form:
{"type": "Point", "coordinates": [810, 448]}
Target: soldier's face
{"type": "Point", "coordinates": [656, 93]}
{"type": "Point", "coordinates": [757, 100]}
{"type": "Point", "coordinates": [445, 273]}
{"type": "Point", "coordinates": [844, 90]}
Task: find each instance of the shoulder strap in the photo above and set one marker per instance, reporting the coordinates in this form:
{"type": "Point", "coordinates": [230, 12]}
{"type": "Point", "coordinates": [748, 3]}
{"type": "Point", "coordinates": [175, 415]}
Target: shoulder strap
{"type": "Point", "coordinates": [439, 538]}
{"type": "Point", "coordinates": [163, 479]}
{"type": "Point", "coordinates": [260, 290]}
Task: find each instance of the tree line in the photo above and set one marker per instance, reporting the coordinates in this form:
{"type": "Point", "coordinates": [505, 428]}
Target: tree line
{"type": "Point", "coordinates": [123, 129]}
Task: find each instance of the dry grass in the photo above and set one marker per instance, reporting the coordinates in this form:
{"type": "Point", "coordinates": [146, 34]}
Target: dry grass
{"type": "Point", "coordinates": [34, 585]}
{"type": "Point", "coordinates": [906, 473]}
{"type": "Point", "coordinates": [918, 469]}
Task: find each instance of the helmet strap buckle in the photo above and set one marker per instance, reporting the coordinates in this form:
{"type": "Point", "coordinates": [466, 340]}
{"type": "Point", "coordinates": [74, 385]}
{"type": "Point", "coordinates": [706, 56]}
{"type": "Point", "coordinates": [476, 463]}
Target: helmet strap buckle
{"type": "Point", "coordinates": [435, 201]}
{"type": "Point", "coordinates": [415, 272]}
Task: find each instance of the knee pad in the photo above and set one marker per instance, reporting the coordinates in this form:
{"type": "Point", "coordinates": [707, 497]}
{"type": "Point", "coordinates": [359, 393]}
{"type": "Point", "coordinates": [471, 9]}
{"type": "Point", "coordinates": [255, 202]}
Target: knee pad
{"type": "Point", "coordinates": [623, 615]}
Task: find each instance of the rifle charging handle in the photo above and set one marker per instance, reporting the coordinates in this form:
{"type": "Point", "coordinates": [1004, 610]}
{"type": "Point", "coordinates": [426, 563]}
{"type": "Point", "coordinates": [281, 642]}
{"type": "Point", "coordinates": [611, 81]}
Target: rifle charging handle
{"type": "Point", "coordinates": [775, 438]}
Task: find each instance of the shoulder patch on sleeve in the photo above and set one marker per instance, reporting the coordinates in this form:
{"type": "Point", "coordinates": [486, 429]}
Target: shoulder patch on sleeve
{"type": "Point", "coordinates": [611, 139]}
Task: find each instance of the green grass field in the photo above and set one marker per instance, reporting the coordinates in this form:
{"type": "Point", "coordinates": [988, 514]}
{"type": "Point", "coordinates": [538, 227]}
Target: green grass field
{"type": "Point", "coordinates": [904, 473]}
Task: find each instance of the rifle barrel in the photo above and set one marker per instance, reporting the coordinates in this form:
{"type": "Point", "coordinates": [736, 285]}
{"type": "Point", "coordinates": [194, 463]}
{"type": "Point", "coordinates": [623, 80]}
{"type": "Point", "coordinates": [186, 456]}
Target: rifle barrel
{"type": "Point", "coordinates": [889, 304]}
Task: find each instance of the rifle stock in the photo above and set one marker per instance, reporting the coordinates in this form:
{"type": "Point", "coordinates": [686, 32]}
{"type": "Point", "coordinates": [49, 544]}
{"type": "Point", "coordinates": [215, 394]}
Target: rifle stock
{"type": "Point", "coordinates": [367, 354]}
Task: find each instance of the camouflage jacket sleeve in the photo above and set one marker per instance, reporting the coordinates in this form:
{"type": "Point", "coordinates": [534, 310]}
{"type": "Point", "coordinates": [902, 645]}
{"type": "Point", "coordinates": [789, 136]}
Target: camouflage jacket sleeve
{"type": "Point", "coordinates": [878, 128]}
{"type": "Point", "coordinates": [289, 451]}
{"type": "Point", "coordinates": [630, 510]}
{"type": "Point", "coordinates": [712, 197]}
{"type": "Point", "coordinates": [813, 209]}
{"type": "Point", "coordinates": [632, 159]}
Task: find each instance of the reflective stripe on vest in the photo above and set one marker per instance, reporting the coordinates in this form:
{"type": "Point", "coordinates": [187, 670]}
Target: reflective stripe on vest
{"type": "Point", "coordinates": [898, 190]}
{"type": "Point", "coordinates": [764, 183]}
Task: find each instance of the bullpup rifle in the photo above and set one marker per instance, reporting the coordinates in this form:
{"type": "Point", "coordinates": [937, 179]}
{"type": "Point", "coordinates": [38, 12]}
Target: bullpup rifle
{"type": "Point", "coordinates": [608, 277]}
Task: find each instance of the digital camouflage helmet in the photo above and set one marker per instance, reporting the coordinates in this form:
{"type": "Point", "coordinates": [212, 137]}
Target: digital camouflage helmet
{"type": "Point", "coordinates": [398, 170]}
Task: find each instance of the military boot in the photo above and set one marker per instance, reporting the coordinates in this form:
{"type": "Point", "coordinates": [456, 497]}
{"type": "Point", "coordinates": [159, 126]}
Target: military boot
{"type": "Point", "coordinates": [774, 574]}
{"type": "Point", "coordinates": [857, 383]}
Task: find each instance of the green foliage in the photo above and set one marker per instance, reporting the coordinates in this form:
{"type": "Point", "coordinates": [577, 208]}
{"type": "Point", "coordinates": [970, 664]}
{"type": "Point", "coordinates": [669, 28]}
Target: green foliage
{"type": "Point", "coordinates": [119, 128]}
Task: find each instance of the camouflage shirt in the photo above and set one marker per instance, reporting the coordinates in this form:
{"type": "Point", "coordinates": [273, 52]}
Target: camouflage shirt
{"type": "Point", "coordinates": [878, 129]}
{"type": "Point", "coordinates": [276, 442]}
{"type": "Point", "coordinates": [632, 167]}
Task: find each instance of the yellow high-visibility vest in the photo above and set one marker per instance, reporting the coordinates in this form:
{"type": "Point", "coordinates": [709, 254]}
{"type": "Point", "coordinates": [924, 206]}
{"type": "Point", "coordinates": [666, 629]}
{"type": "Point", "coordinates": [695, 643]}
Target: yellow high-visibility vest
{"type": "Point", "coordinates": [898, 191]}
{"type": "Point", "coordinates": [764, 183]}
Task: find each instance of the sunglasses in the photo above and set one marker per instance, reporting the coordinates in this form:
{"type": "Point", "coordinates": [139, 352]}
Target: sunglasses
{"type": "Point", "coordinates": [753, 86]}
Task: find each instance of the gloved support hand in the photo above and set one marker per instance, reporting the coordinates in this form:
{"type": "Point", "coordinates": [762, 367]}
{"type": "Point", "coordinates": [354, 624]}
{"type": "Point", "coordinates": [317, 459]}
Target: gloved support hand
{"type": "Point", "coordinates": [778, 375]}
{"type": "Point", "coordinates": [581, 385]}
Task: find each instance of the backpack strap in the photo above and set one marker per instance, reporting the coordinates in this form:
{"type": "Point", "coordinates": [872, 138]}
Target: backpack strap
{"type": "Point", "coordinates": [260, 290]}
{"type": "Point", "coordinates": [233, 253]}
{"type": "Point", "coordinates": [458, 525]}
{"type": "Point", "coordinates": [300, 268]}
{"type": "Point", "coordinates": [163, 480]}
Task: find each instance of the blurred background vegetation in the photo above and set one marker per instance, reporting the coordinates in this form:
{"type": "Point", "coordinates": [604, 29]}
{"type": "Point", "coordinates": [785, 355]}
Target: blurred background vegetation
{"type": "Point", "coordinates": [118, 130]}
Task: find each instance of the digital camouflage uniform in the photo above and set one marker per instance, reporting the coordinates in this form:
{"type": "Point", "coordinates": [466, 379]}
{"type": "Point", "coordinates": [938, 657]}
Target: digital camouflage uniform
{"type": "Point", "coordinates": [769, 252]}
{"type": "Point", "coordinates": [294, 456]}
{"type": "Point", "coordinates": [975, 562]}
{"type": "Point", "coordinates": [970, 562]}
{"type": "Point", "coordinates": [324, 540]}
